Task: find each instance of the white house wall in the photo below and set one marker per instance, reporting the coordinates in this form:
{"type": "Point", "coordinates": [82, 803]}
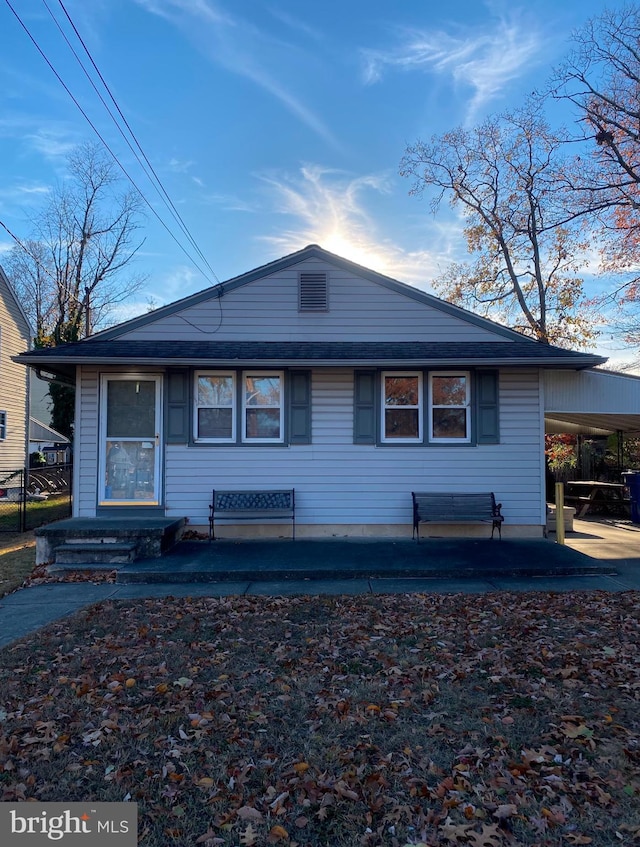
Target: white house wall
{"type": "Point", "coordinates": [85, 483]}
{"type": "Point", "coordinates": [267, 310]}
{"type": "Point", "coordinates": [347, 488]}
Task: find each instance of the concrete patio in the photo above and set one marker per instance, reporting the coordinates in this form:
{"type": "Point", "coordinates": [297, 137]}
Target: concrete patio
{"type": "Point", "coordinates": [595, 547]}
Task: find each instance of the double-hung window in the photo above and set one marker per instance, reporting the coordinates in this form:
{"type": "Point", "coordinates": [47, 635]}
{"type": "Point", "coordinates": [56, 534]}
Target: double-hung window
{"type": "Point", "coordinates": [262, 407]}
{"type": "Point", "coordinates": [230, 406]}
{"type": "Point", "coordinates": [449, 407]}
{"type": "Point", "coordinates": [401, 407]}
{"type": "Point", "coordinates": [3, 426]}
{"type": "Point", "coordinates": [215, 405]}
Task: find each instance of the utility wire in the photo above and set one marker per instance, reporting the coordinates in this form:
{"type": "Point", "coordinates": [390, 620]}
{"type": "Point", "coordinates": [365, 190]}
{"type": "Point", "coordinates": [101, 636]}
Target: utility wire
{"type": "Point", "coordinates": [159, 187]}
{"type": "Point", "coordinates": [106, 145]}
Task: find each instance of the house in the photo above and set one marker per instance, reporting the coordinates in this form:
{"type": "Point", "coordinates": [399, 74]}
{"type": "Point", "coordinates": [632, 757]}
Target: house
{"type": "Point", "coordinates": [15, 337]}
{"type": "Point", "coordinates": [317, 374]}
{"type": "Point", "coordinates": [55, 446]}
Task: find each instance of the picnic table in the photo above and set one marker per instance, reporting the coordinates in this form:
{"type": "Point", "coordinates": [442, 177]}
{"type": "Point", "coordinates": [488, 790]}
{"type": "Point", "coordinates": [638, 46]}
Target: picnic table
{"type": "Point", "coordinates": [589, 496]}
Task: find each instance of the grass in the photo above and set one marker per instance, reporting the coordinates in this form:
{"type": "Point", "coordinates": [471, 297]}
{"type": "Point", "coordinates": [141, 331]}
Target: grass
{"type": "Point", "coordinates": [503, 719]}
{"type": "Point", "coordinates": [17, 559]}
{"type": "Point", "coordinates": [17, 549]}
{"type": "Point", "coordinates": [38, 513]}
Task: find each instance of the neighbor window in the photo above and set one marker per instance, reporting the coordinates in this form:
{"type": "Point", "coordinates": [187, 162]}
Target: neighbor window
{"type": "Point", "coordinates": [3, 426]}
{"type": "Point", "coordinates": [215, 407]}
{"type": "Point", "coordinates": [449, 407]}
{"type": "Point", "coordinates": [262, 407]}
{"type": "Point", "coordinates": [401, 407]}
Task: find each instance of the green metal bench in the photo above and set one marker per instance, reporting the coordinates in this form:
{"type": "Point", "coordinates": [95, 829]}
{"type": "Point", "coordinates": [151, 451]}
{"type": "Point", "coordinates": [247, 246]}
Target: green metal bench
{"type": "Point", "coordinates": [274, 505]}
{"type": "Point", "coordinates": [455, 508]}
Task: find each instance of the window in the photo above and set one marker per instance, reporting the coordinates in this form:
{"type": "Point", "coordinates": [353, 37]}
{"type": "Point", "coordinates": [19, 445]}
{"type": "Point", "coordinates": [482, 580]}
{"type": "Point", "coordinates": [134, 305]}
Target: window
{"type": "Point", "coordinates": [449, 407]}
{"type": "Point", "coordinates": [240, 407]}
{"type": "Point", "coordinates": [215, 407]}
{"type": "Point", "coordinates": [401, 407]}
{"type": "Point", "coordinates": [3, 426]}
{"type": "Point", "coordinates": [262, 407]}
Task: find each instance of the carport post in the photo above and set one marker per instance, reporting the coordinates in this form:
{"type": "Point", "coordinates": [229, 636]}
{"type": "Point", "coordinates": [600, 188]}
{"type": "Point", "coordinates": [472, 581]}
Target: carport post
{"type": "Point", "coordinates": [559, 513]}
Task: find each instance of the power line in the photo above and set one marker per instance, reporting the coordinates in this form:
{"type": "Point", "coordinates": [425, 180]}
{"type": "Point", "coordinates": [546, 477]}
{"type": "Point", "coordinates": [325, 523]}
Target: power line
{"type": "Point", "coordinates": [106, 145]}
{"type": "Point", "coordinates": [159, 187]}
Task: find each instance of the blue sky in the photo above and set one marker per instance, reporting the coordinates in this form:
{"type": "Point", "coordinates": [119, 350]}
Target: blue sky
{"type": "Point", "coordinates": [271, 123]}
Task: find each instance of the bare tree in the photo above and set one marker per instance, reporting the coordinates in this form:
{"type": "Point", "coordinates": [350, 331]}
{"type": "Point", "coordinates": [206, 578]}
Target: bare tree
{"type": "Point", "coordinates": [601, 78]}
{"type": "Point", "coordinates": [74, 269]}
{"type": "Point", "coordinates": [505, 177]}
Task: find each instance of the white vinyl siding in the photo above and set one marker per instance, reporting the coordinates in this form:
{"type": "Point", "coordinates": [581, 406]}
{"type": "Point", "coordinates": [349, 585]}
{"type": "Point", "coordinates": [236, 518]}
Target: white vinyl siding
{"type": "Point", "coordinates": [338, 482]}
{"type": "Point", "coordinates": [268, 310]}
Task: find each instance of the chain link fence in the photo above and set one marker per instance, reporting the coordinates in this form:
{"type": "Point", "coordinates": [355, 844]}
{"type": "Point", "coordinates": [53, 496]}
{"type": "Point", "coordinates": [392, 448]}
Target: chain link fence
{"type": "Point", "coordinates": [31, 497]}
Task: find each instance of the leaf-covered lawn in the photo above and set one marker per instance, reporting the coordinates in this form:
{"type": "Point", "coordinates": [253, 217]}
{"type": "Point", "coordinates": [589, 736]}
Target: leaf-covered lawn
{"type": "Point", "coordinates": [487, 720]}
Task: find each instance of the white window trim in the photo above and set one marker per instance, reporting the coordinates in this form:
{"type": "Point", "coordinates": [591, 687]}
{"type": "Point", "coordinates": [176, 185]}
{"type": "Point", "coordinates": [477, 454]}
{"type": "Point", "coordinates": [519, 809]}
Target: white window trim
{"type": "Point", "coordinates": [261, 374]}
{"type": "Point", "coordinates": [3, 425]}
{"type": "Point", "coordinates": [210, 439]}
{"type": "Point", "coordinates": [467, 407]}
{"type": "Point", "coordinates": [419, 407]}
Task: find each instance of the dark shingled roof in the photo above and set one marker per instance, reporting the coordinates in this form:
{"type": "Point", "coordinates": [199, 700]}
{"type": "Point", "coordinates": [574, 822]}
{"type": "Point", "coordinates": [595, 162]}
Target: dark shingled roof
{"type": "Point", "coordinates": [309, 353]}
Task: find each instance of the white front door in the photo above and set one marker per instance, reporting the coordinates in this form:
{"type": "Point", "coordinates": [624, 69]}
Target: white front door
{"type": "Point", "coordinates": [130, 455]}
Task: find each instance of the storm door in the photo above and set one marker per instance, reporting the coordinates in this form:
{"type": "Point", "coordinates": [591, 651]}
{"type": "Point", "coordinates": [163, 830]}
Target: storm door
{"type": "Point", "coordinates": [129, 466]}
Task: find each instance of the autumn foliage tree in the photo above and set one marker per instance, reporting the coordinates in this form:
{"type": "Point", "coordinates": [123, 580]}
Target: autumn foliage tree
{"type": "Point", "coordinates": [503, 176]}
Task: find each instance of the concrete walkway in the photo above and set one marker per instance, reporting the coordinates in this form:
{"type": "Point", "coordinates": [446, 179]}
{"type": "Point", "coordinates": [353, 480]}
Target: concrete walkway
{"type": "Point", "coordinates": [602, 556]}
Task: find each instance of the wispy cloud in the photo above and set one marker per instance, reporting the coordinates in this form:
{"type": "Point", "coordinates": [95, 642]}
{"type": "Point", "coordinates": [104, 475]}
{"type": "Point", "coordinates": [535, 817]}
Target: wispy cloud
{"type": "Point", "coordinates": [23, 195]}
{"type": "Point", "coordinates": [485, 61]}
{"type": "Point", "coordinates": [330, 208]}
{"type": "Point", "coordinates": [52, 139]}
{"type": "Point", "coordinates": [295, 23]}
{"type": "Point", "coordinates": [239, 46]}
{"type": "Point", "coordinates": [230, 203]}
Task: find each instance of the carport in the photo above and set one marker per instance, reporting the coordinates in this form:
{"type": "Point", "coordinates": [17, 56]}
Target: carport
{"type": "Point", "coordinates": [591, 402]}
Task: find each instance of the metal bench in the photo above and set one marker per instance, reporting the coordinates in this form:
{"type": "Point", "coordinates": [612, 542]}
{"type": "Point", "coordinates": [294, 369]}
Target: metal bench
{"type": "Point", "coordinates": [235, 506]}
{"type": "Point", "coordinates": [455, 508]}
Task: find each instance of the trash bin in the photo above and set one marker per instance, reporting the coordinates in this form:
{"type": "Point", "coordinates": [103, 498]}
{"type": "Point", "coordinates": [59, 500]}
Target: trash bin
{"type": "Point", "coordinates": [632, 481]}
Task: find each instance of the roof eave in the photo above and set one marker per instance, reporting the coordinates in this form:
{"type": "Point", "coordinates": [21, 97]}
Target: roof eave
{"type": "Point", "coordinates": [52, 364]}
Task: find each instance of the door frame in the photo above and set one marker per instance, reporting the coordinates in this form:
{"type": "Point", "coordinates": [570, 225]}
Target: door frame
{"type": "Point", "coordinates": [157, 500]}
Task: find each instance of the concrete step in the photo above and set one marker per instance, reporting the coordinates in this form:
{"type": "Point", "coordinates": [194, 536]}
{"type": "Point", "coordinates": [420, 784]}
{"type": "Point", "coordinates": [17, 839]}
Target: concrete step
{"type": "Point", "coordinates": [95, 553]}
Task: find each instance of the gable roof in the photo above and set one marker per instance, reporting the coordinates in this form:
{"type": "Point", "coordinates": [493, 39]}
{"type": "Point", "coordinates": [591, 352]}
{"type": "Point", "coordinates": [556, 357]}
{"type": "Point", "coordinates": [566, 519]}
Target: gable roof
{"type": "Point", "coordinates": [312, 251]}
{"type": "Point", "coordinates": [510, 348]}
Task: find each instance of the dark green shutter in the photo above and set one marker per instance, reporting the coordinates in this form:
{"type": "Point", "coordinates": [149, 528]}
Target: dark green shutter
{"type": "Point", "coordinates": [487, 408]}
{"type": "Point", "coordinates": [300, 407]}
{"type": "Point", "coordinates": [364, 407]}
{"type": "Point", "coordinates": [178, 417]}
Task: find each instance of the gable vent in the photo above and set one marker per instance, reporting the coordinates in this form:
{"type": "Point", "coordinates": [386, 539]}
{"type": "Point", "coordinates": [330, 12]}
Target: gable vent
{"type": "Point", "coordinates": [313, 292]}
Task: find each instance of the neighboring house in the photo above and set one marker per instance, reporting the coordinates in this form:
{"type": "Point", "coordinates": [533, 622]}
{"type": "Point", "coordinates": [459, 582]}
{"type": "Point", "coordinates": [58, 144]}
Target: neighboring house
{"type": "Point", "coordinates": [55, 446]}
{"type": "Point", "coordinates": [317, 374]}
{"type": "Point", "coordinates": [15, 337]}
